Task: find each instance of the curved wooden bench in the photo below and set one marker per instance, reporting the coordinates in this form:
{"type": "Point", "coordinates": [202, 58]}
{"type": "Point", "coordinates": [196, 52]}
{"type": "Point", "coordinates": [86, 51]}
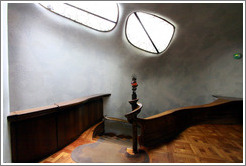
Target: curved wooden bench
{"type": "Point", "coordinates": [165, 126]}
{"type": "Point", "coordinates": [38, 132]}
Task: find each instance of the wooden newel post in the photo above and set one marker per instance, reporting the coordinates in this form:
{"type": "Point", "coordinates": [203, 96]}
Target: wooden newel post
{"type": "Point", "coordinates": [133, 121]}
{"type": "Point", "coordinates": [134, 138]}
{"type": "Point", "coordinates": [132, 118]}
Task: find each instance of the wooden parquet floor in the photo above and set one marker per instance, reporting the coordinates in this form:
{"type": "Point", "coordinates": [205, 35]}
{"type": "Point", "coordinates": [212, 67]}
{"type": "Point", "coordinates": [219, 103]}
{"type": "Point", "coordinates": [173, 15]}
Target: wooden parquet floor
{"type": "Point", "coordinates": [197, 144]}
{"type": "Point", "coordinates": [202, 144]}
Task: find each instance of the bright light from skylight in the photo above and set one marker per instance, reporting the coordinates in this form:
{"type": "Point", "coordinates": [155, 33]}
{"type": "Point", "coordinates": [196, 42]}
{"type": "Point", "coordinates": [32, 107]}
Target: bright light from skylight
{"type": "Point", "coordinates": [149, 32]}
{"type": "Point", "coordinates": [101, 16]}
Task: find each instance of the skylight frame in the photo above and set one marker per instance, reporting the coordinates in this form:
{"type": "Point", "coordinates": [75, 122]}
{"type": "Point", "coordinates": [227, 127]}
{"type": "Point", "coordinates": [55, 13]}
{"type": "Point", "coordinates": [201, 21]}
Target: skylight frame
{"type": "Point", "coordinates": [157, 51]}
{"type": "Point", "coordinates": [98, 16]}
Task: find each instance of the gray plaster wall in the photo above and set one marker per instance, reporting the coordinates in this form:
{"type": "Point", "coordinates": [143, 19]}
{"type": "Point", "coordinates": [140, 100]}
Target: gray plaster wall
{"type": "Point", "coordinates": [52, 59]}
{"type": "Point", "coordinates": [5, 86]}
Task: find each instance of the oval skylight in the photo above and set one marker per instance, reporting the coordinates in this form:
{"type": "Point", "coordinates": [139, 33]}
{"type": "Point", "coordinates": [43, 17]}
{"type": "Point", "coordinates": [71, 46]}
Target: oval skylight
{"type": "Point", "coordinates": [149, 32]}
{"type": "Point", "coordinates": [101, 16]}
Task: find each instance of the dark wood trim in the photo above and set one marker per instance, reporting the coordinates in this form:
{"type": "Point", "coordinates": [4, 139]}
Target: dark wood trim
{"type": "Point", "coordinates": [32, 113]}
{"type": "Point", "coordinates": [13, 141]}
{"type": "Point", "coordinates": [41, 111]}
{"type": "Point", "coordinates": [143, 49]}
{"type": "Point", "coordinates": [157, 51]}
{"type": "Point", "coordinates": [167, 125]}
{"type": "Point", "coordinates": [132, 118]}
{"type": "Point", "coordinates": [68, 4]}
{"type": "Point", "coordinates": [85, 24]}
{"type": "Point", "coordinates": [38, 132]}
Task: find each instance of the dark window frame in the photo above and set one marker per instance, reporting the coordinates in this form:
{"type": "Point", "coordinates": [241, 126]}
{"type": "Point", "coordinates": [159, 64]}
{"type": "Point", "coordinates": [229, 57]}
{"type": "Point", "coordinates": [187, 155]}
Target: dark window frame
{"type": "Point", "coordinates": [157, 51]}
{"type": "Point", "coordinates": [115, 22]}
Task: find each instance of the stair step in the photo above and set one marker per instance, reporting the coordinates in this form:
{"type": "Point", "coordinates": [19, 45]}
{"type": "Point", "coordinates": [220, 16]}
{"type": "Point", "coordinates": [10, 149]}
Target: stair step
{"type": "Point", "coordinates": [115, 139]}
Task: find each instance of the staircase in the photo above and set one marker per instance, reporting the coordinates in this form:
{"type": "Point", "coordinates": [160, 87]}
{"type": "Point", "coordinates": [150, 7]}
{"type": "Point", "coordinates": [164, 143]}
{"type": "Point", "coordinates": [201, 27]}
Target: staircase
{"type": "Point", "coordinates": [116, 131]}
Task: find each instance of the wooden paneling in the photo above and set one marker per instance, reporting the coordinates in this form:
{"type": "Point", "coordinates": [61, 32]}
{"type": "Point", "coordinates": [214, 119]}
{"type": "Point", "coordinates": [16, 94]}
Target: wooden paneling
{"type": "Point", "coordinates": [38, 132]}
{"type": "Point", "coordinates": [166, 126]}
{"type": "Point", "coordinates": [68, 125]}
{"type": "Point", "coordinates": [34, 138]}
{"type": "Point", "coordinates": [72, 121]}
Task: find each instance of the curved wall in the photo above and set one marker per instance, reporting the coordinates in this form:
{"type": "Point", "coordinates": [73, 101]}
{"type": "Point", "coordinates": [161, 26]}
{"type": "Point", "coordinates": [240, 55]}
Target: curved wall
{"type": "Point", "coordinates": [52, 59]}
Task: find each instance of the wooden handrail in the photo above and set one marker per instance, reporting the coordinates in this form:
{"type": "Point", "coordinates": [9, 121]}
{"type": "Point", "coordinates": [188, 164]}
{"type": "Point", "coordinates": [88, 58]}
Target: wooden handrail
{"type": "Point", "coordinates": [167, 125]}
{"type": "Point", "coordinates": [41, 111]}
{"type": "Point", "coordinates": [212, 104]}
{"type": "Point", "coordinates": [133, 115]}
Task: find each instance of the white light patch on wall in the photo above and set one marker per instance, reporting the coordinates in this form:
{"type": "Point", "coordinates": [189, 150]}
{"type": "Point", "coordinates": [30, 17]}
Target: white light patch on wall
{"type": "Point", "coordinates": [149, 32]}
{"type": "Point", "coordinates": [96, 15]}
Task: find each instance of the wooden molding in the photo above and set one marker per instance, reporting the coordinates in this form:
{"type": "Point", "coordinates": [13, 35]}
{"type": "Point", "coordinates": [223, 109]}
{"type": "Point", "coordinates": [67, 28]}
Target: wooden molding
{"type": "Point", "coordinates": [41, 111]}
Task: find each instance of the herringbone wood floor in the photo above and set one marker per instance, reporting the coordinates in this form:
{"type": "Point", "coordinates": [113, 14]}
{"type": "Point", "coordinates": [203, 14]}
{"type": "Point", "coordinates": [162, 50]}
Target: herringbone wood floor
{"type": "Point", "coordinates": [197, 144]}
{"type": "Point", "coordinates": [203, 144]}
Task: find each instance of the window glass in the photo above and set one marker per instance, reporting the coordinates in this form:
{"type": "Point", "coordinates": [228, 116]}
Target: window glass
{"type": "Point", "coordinates": [149, 32]}
{"type": "Point", "coordinates": [137, 36]}
{"type": "Point", "coordinates": [101, 16]}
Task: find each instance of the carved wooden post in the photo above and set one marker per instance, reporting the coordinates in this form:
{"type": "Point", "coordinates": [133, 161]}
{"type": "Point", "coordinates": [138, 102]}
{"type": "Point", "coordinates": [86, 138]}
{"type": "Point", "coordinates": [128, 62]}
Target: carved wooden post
{"type": "Point", "coordinates": [134, 138]}
{"type": "Point", "coordinates": [132, 118]}
{"type": "Point", "coordinates": [134, 87]}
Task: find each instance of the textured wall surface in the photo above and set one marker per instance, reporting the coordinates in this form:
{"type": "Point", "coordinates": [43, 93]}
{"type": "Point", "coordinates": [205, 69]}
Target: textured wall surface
{"type": "Point", "coordinates": [53, 59]}
{"type": "Point", "coordinates": [5, 85]}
